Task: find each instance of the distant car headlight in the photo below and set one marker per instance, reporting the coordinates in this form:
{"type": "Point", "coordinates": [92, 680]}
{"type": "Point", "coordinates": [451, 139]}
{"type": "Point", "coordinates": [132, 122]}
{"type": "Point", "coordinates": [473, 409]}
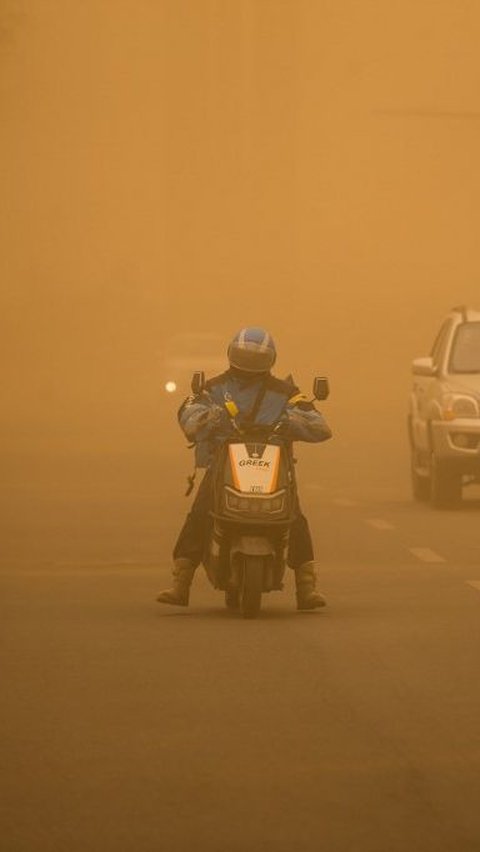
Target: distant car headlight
{"type": "Point", "coordinates": [171, 387]}
{"type": "Point", "coordinates": [459, 406]}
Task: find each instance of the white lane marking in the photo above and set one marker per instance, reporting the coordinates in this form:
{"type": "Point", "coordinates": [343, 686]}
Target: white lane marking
{"type": "Point", "coordinates": [379, 524]}
{"type": "Point", "coordinates": [58, 569]}
{"type": "Point", "coordinates": [474, 583]}
{"type": "Point", "coordinates": [345, 502]}
{"type": "Point", "coordinates": [426, 554]}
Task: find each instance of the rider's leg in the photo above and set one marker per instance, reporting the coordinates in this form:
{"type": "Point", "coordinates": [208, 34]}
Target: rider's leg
{"type": "Point", "coordinates": [190, 547]}
{"type": "Point", "coordinates": [301, 559]}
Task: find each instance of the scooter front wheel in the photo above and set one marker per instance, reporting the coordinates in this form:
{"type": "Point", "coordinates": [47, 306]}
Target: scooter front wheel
{"type": "Point", "coordinates": [252, 586]}
{"type": "Point", "coordinates": [232, 599]}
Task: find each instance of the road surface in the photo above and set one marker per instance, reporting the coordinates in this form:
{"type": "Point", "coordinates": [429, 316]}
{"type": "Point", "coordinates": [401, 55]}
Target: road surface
{"type": "Point", "coordinates": [131, 726]}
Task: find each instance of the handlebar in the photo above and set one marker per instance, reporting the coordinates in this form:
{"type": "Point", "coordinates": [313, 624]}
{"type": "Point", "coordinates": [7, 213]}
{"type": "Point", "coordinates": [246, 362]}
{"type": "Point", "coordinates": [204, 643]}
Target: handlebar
{"type": "Point", "coordinates": [259, 432]}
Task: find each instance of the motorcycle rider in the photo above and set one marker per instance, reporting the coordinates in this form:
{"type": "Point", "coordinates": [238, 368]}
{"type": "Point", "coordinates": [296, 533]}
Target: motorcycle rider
{"type": "Point", "coordinates": [246, 392]}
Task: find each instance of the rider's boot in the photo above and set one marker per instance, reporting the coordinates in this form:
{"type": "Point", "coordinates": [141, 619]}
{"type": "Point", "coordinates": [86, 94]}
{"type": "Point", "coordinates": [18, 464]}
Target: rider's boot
{"type": "Point", "coordinates": [183, 572]}
{"type": "Point", "coordinates": [305, 581]}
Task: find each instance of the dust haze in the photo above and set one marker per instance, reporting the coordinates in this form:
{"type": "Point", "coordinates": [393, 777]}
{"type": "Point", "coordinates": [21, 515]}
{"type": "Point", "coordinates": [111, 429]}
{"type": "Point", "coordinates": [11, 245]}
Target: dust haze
{"type": "Point", "coordinates": [176, 166]}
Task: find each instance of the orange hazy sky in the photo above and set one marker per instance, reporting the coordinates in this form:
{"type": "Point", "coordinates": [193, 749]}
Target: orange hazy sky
{"type": "Point", "coordinates": [169, 166]}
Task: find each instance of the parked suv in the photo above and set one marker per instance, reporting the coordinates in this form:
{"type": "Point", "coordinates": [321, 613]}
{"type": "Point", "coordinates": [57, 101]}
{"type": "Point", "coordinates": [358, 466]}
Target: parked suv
{"type": "Point", "coordinates": [444, 412]}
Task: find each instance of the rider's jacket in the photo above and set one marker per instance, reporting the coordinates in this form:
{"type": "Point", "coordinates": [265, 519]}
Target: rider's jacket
{"type": "Point", "coordinates": [229, 398]}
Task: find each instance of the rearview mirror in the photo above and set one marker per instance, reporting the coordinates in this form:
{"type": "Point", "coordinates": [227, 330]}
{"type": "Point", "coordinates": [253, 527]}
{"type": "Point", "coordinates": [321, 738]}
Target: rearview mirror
{"type": "Point", "coordinates": [424, 367]}
{"type": "Point", "coordinates": [321, 388]}
{"type": "Point", "coordinates": [198, 382]}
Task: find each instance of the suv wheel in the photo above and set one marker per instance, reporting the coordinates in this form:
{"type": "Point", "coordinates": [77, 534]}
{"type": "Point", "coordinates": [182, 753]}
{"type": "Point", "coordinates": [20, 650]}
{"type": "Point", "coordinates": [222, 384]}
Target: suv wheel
{"type": "Point", "coordinates": [420, 484]}
{"type": "Point", "coordinates": [445, 485]}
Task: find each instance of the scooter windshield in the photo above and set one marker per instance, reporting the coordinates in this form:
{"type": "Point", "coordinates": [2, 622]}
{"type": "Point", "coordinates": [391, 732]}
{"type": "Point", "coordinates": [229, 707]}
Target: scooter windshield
{"type": "Point", "coordinates": [255, 467]}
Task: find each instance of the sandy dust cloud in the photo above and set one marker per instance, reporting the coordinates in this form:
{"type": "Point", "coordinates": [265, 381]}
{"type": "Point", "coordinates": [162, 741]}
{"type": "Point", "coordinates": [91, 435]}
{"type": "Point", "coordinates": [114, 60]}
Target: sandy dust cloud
{"type": "Point", "coordinates": [203, 164]}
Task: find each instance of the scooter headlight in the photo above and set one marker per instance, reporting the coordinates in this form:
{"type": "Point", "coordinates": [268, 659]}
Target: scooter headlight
{"type": "Point", "coordinates": [255, 504]}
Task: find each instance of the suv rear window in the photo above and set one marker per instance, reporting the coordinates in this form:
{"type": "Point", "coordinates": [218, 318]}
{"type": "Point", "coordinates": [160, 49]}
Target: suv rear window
{"type": "Point", "coordinates": [465, 354]}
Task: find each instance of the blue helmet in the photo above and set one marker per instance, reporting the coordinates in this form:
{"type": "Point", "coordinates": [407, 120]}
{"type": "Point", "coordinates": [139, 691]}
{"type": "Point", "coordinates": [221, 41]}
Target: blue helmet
{"type": "Point", "coordinates": [252, 350]}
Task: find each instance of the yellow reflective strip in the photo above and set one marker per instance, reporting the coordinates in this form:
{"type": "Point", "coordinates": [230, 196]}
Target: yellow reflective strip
{"type": "Point", "coordinates": [275, 470]}
{"type": "Point", "coordinates": [231, 408]}
{"type": "Point", "coordinates": [299, 397]}
{"type": "Point", "coordinates": [233, 465]}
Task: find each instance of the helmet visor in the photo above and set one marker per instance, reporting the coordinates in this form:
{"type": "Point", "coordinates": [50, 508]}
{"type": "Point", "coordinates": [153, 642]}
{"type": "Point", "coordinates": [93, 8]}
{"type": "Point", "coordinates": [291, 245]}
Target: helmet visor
{"type": "Point", "coordinates": [251, 358]}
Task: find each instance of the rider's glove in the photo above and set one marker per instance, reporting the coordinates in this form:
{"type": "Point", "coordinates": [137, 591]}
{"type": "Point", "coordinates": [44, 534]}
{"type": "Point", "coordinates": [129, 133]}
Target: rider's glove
{"type": "Point", "coordinates": [213, 417]}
